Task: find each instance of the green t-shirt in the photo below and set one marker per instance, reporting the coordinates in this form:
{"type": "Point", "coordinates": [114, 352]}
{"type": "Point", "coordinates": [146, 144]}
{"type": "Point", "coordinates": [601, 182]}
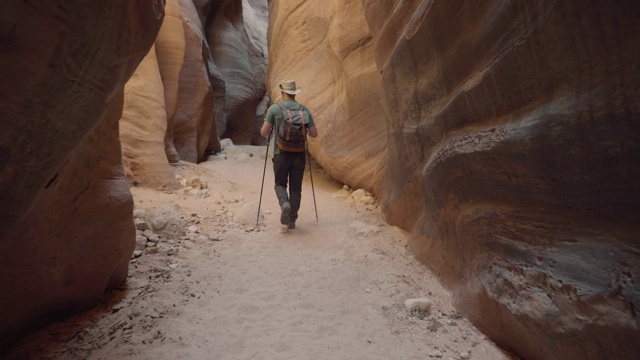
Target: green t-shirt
{"type": "Point", "coordinates": [275, 110]}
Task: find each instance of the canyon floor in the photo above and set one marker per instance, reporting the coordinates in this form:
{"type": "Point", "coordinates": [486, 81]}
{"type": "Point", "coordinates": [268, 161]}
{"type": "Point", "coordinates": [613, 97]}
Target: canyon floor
{"type": "Point", "coordinates": [335, 289]}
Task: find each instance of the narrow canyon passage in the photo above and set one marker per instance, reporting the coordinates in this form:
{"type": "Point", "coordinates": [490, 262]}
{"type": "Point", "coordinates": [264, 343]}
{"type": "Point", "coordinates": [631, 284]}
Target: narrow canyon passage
{"type": "Point", "coordinates": [501, 137]}
{"type": "Point", "coordinates": [332, 290]}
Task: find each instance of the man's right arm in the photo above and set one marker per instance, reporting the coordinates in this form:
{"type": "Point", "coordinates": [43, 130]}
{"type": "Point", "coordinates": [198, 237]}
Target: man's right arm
{"type": "Point", "coordinates": [267, 126]}
{"type": "Point", "coordinates": [266, 129]}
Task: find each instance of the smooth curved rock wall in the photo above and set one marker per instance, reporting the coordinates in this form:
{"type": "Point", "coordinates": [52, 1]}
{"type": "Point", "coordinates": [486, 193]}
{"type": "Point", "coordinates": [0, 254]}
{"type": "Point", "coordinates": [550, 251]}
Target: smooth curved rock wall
{"type": "Point", "coordinates": [194, 120]}
{"type": "Point", "coordinates": [170, 49]}
{"type": "Point", "coordinates": [327, 48]}
{"type": "Point", "coordinates": [66, 228]}
{"type": "Point", "coordinates": [236, 34]}
{"type": "Point", "coordinates": [143, 127]}
{"type": "Point", "coordinates": [511, 155]}
{"type": "Point", "coordinates": [211, 59]}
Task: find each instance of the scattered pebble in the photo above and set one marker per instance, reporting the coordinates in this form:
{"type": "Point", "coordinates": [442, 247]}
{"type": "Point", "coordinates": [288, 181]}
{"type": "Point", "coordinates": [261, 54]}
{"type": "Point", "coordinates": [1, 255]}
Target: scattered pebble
{"type": "Point", "coordinates": [151, 250]}
{"type": "Point", "coordinates": [418, 307]}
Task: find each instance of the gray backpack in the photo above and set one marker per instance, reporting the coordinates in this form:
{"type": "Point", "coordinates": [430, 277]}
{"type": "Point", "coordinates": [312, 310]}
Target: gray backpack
{"type": "Point", "coordinates": [291, 128]}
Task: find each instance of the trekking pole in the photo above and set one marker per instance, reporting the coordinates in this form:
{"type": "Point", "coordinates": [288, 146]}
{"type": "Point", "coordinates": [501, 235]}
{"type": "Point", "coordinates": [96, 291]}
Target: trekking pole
{"type": "Point", "coordinates": [263, 173]}
{"type": "Point", "coordinates": [311, 176]}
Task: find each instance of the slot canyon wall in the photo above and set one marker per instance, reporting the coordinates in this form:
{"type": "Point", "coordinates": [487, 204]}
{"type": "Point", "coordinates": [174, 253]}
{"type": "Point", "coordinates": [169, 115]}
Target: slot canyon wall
{"type": "Point", "coordinates": [89, 89]}
{"type": "Point", "coordinates": [97, 96]}
{"type": "Point", "coordinates": [66, 227]}
{"type": "Point", "coordinates": [203, 80]}
{"type": "Point", "coordinates": [504, 136]}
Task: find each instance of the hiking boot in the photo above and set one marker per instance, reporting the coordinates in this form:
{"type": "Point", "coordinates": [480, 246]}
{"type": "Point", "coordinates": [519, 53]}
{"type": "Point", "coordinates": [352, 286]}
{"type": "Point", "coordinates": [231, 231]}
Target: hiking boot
{"type": "Point", "coordinates": [284, 215]}
{"type": "Point", "coordinates": [292, 224]}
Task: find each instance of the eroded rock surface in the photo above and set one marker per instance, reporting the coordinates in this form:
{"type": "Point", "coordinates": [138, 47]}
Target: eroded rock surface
{"type": "Point", "coordinates": [327, 48]}
{"type": "Point", "coordinates": [211, 59]}
{"type": "Point", "coordinates": [237, 37]}
{"type": "Point", "coordinates": [508, 146]}
{"type": "Point", "coordinates": [143, 127]}
{"type": "Point", "coordinates": [66, 228]}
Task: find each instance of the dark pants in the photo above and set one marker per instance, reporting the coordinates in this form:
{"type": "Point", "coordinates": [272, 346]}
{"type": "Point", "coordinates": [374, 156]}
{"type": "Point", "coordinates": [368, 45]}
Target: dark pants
{"type": "Point", "coordinates": [288, 167]}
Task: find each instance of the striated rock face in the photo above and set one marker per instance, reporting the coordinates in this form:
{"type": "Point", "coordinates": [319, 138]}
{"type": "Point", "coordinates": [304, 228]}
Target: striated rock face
{"type": "Point", "coordinates": [329, 53]}
{"type": "Point", "coordinates": [511, 154]}
{"type": "Point", "coordinates": [66, 228]}
{"type": "Point", "coordinates": [210, 58]}
{"type": "Point", "coordinates": [143, 127]}
{"type": "Point", "coordinates": [170, 48]}
{"type": "Point", "coordinates": [194, 121]}
{"type": "Point", "coordinates": [236, 34]}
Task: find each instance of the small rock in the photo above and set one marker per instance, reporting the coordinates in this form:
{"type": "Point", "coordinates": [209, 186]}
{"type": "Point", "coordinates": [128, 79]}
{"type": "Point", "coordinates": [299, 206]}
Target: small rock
{"type": "Point", "coordinates": [183, 183]}
{"type": "Point", "coordinates": [139, 213]}
{"type": "Point", "coordinates": [350, 200]}
{"type": "Point", "coordinates": [172, 251]}
{"type": "Point", "coordinates": [137, 253]}
{"type": "Point", "coordinates": [364, 229]}
{"type": "Point", "coordinates": [142, 224]}
{"type": "Point", "coordinates": [202, 238]}
{"type": "Point", "coordinates": [366, 200]}
{"type": "Point", "coordinates": [367, 290]}
{"type": "Point", "coordinates": [141, 243]}
{"type": "Point", "coordinates": [418, 307]}
{"type": "Point", "coordinates": [436, 354]}
{"type": "Point", "coordinates": [193, 229]}
{"type": "Point", "coordinates": [346, 187]}
{"type": "Point", "coordinates": [464, 355]}
{"type": "Point", "coordinates": [194, 183]}
{"type": "Point", "coordinates": [151, 250]}
{"type": "Point", "coordinates": [188, 244]}
{"type": "Point", "coordinates": [341, 194]}
{"type": "Point", "coordinates": [165, 220]}
{"type": "Point", "coordinates": [358, 194]}
{"type": "Point", "coordinates": [151, 236]}
{"type": "Point", "coordinates": [173, 266]}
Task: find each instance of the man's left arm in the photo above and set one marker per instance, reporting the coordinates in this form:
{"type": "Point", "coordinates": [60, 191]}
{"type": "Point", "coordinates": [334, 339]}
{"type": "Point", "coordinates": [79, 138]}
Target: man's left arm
{"type": "Point", "coordinates": [311, 129]}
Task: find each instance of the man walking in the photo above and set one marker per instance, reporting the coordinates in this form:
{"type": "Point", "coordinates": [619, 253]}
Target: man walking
{"type": "Point", "coordinates": [292, 122]}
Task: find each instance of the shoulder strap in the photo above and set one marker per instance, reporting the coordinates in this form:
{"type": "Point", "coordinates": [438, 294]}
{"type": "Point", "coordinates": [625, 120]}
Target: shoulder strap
{"type": "Point", "coordinates": [284, 108]}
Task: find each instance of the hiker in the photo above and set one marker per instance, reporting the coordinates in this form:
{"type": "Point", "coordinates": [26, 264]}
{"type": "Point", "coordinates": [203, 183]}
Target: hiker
{"type": "Point", "coordinates": [292, 121]}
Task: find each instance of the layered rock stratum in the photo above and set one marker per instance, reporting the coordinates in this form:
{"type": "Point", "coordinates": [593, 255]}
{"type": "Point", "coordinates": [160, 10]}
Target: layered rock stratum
{"type": "Point", "coordinates": [503, 135]}
{"type": "Point", "coordinates": [66, 229]}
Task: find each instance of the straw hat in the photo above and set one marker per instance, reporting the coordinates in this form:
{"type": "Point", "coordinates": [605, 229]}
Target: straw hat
{"type": "Point", "coordinates": [289, 86]}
